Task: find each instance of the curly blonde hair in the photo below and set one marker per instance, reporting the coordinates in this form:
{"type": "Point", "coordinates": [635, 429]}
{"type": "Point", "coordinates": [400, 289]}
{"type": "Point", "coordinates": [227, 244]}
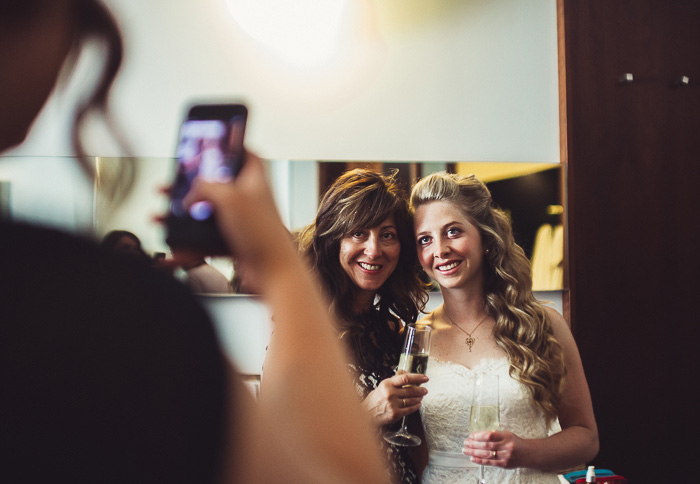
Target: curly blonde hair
{"type": "Point", "coordinates": [523, 328]}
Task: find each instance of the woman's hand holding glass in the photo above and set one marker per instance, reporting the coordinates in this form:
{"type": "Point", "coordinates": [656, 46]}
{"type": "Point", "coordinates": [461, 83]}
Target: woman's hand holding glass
{"type": "Point", "coordinates": [413, 359]}
{"type": "Point", "coordinates": [395, 398]}
{"type": "Point", "coordinates": [485, 418]}
{"type": "Point", "coordinates": [480, 446]}
{"type": "Point", "coordinates": [487, 444]}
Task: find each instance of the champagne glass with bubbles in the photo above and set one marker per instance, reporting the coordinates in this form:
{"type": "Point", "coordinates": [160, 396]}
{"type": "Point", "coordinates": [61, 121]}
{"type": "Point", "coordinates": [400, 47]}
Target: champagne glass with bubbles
{"type": "Point", "coordinates": [413, 359]}
{"type": "Point", "coordinates": [485, 413]}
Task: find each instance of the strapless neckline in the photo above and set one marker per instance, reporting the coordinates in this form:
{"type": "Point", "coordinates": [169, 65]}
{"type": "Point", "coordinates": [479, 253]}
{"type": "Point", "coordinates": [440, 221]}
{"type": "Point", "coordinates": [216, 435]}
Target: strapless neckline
{"type": "Point", "coordinates": [489, 362]}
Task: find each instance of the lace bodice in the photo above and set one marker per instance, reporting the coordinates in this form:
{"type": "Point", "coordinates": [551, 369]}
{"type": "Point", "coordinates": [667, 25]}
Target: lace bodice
{"type": "Point", "coordinates": [445, 414]}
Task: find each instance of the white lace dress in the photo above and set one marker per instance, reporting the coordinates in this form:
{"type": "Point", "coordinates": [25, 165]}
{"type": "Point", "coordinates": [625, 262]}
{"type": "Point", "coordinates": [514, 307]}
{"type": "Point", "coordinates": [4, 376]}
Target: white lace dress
{"type": "Point", "coordinates": [445, 414]}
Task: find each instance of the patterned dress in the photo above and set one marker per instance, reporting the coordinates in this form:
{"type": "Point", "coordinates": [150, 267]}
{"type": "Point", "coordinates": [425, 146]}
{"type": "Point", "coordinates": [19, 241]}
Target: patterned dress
{"type": "Point", "coordinates": [376, 348]}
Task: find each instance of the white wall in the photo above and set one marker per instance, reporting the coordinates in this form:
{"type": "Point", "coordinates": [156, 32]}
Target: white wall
{"type": "Point", "coordinates": [445, 80]}
{"type": "Point", "coordinates": [469, 80]}
{"type": "Point", "coordinates": [244, 326]}
{"type": "Point", "coordinates": [48, 191]}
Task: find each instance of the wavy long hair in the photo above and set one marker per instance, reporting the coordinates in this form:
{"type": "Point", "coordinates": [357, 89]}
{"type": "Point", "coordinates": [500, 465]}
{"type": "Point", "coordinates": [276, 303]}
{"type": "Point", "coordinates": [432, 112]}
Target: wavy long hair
{"type": "Point", "coordinates": [523, 328]}
{"type": "Point", "coordinates": [357, 199]}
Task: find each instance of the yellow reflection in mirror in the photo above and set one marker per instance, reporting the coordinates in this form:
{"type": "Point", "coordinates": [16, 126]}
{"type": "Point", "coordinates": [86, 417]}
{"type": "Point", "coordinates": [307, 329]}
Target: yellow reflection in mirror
{"type": "Point", "coordinates": [494, 171]}
{"type": "Point", "coordinates": [555, 210]}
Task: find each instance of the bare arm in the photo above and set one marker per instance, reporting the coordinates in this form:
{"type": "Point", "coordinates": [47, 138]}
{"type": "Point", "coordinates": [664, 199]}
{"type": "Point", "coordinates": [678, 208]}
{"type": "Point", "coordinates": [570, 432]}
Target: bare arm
{"type": "Point", "coordinates": [308, 425]}
{"type": "Point", "coordinates": [577, 443]}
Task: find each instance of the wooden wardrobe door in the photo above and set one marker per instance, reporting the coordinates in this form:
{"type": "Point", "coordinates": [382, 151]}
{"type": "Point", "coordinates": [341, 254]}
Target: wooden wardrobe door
{"type": "Point", "coordinates": [633, 156]}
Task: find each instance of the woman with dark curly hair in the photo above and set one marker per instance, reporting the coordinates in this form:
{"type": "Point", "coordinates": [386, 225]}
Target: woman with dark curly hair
{"type": "Point", "coordinates": [361, 245]}
{"type": "Point", "coordinates": [490, 322]}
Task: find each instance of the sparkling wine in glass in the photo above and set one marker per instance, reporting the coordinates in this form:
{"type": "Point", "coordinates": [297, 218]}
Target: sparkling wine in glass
{"type": "Point", "coordinates": [484, 412]}
{"type": "Point", "coordinates": [413, 359]}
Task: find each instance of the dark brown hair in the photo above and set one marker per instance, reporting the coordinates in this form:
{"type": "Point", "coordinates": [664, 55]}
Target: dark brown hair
{"type": "Point", "coordinates": [362, 198]}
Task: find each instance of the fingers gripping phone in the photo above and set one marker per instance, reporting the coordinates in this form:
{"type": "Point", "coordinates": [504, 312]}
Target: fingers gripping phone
{"type": "Point", "coordinates": [210, 147]}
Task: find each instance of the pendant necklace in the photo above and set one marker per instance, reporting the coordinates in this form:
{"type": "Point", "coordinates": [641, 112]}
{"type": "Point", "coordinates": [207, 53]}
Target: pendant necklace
{"type": "Point", "coordinates": [469, 340]}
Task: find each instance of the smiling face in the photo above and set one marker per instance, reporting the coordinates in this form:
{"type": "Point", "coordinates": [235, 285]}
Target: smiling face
{"type": "Point", "coordinates": [369, 256]}
{"type": "Point", "coordinates": [449, 246]}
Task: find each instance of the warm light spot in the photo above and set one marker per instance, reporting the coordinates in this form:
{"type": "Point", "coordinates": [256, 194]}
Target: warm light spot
{"type": "Point", "coordinates": [302, 32]}
{"type": "Point", "coordinates": [555, 210]}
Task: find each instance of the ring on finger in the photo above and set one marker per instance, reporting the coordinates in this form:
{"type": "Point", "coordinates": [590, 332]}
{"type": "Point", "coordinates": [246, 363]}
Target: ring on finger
{"type": "Point", "coordinates": [403, 403]}
{"type": "Point", "coordinates": [494, 455]}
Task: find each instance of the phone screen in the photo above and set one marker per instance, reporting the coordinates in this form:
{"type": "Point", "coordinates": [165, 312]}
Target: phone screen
{"type": "Point", "coordinates": [210, 147]}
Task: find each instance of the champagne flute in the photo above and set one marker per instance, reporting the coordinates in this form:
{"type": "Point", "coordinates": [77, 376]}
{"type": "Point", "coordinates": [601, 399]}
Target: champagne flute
{"type": "Point", "coordinates": [484, 411]}
{"type": "Point", "coordinates": [413, 359]}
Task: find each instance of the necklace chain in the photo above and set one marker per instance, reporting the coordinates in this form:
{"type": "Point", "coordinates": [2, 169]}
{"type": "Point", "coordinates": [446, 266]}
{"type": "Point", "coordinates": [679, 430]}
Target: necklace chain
{"type": "Point", "coordinates": [469, 340]}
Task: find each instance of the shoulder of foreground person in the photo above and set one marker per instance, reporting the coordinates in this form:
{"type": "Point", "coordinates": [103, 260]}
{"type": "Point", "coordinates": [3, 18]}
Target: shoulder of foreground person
{"type": "Point", "coordinates": [46, 264]}
{"type": "Point", "coordinates": [104, 361]}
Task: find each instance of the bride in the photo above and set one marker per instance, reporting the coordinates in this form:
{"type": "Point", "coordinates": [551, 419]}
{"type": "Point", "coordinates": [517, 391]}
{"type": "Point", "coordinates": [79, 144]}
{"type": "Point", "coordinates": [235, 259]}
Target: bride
{"type": "Point", "coordinates": [490, 322]}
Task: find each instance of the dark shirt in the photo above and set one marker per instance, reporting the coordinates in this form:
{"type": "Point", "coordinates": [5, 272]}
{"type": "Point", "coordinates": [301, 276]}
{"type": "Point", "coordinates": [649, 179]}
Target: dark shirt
{"type": "Point", "coordinates": [109, 370]}
{"type": "Point", "coordinates": [376, 347]}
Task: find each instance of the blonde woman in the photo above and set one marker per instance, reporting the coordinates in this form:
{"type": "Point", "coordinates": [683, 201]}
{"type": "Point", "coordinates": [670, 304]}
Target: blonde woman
{"type": "Point", "coordinates": [490, 322]}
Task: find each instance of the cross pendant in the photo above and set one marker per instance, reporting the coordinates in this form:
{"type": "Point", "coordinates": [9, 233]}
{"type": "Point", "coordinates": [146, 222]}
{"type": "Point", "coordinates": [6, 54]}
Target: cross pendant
{"type": "Point", "coordinates": [470, 342]}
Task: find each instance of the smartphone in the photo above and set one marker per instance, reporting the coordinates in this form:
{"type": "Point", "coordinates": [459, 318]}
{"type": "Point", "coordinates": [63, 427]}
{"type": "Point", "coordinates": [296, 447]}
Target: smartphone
{"type": "Point", "coordinates": [210, 147]}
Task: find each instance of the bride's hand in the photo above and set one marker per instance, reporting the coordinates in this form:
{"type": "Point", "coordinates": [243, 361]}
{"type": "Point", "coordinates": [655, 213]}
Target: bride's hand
{"type": "Point", "coordinates": [494, 448]}
{"type": "Point", "coordinates": [390, 401]}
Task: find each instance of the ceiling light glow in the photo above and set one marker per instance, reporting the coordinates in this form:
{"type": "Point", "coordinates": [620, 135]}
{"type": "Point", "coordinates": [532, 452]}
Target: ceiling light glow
{"type": "Point", "coordinates": [300, 32]}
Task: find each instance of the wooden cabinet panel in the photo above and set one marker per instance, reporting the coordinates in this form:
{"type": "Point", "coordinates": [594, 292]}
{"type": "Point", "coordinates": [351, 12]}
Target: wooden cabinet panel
{"type": "Point", "coordinates": [633, 155]}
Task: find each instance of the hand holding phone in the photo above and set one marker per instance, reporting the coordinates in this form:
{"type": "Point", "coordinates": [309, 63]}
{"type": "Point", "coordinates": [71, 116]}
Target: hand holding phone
{"type": "Point", "coordinates": [247, 217]}
{"type": "Point", "coordinates": [210, 148]}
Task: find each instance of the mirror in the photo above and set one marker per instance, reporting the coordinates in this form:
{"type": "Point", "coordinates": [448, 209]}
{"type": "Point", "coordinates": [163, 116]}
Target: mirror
{"type": "Point", "coordinates": [530, 192]}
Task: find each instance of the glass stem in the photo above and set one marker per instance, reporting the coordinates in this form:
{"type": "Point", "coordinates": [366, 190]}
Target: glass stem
{"type": "Point", "coordinates": [404, 429]}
